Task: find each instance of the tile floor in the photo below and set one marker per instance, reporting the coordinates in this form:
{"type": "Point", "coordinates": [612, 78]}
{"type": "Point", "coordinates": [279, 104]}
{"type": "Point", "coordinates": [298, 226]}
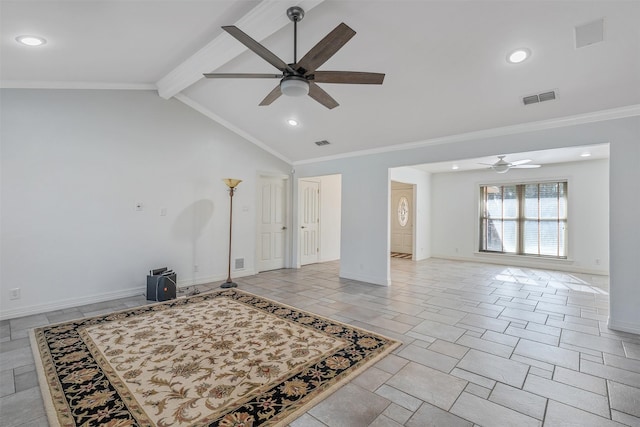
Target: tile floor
{"type": "Point", "coordinates": [483, 345]}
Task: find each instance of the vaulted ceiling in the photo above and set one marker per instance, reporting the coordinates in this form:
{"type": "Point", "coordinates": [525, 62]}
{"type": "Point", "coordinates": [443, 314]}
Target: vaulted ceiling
{"type": "Point", "coordinates": [445, 63]}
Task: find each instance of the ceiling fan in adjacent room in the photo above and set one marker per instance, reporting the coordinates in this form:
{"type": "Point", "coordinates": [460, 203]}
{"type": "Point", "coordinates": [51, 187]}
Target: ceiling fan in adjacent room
{"type": "Point", "coordinates": [300, 77]}
{"type": "Point", "coordinates": [502, 166]}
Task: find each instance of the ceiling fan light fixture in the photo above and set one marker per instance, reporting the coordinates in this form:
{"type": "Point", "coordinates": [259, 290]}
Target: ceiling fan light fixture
{"type": "Point", "coordinates": [294, 86]}
{"type": "Point", "coordinates": [501, 168]}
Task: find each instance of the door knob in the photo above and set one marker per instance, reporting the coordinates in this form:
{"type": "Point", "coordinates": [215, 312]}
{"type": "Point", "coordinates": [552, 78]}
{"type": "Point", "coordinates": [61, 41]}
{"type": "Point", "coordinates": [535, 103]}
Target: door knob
{"type": "Point", "coordinates": [284, 228]}
{"type": "Point", "coordinates": [303, 227]}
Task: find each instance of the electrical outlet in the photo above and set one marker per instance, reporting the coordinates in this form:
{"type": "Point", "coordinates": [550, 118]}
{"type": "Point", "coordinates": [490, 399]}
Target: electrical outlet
{"type": "Point", "coordinates": [597, 261]}
{"type": "Point", "coordinates": [195, 268]}
{"type": "Point", "coordinates": [163, 211]}
{"type": "Point", "coordinates": [14, 293]}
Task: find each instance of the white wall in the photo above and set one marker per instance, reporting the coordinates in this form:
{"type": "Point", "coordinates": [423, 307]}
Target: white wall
{"type": "Point", "coordinates": [455, 214]}
{"type": "Point", "coordinates": [422, 200]}
{"type": "Point", "coordinates": [74, 165]}
{"type": "Point", "coordinates": [624, 232]}
{"type": "Point", "coordinates": [330, 213]}
{"type": "Point", "coordinates": [365, 180]}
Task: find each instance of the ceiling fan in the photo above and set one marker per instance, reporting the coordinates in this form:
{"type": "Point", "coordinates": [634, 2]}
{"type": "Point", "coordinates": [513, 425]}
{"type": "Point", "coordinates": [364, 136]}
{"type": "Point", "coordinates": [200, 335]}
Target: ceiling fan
{"type": "Point", "coordinates": [300, 77]}
{"type": "Point", "coordinates": [502, 166]}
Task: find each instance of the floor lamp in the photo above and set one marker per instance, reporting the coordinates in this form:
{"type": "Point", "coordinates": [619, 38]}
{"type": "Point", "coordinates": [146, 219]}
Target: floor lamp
{"type": "Point", "coordinates": [232, 184]}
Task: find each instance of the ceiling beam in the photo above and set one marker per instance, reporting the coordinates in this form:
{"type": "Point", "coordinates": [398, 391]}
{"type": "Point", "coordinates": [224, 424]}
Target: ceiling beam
{"type": "Point", "coordinates": [262, 21]}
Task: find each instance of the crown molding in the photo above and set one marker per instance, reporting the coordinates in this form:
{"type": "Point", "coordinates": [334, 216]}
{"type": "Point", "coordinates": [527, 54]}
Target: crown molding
{"type": "Point", "coordinates": [24, 84]}
{"type": "Point", "coordinates": [596, 116]}
{"type": "Point", "coordinates": [213, 116]}
{"type": "Point", "coordinates": [263, 20]}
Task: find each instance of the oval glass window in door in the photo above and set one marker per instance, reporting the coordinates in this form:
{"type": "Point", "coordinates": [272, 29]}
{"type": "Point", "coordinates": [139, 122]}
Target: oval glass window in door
{"type": "Point", "coordinates": [403, 211]}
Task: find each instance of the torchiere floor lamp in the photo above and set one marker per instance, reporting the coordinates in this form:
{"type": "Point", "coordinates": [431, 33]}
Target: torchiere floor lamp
{"type": "Point", "coordinates": [232, 184]}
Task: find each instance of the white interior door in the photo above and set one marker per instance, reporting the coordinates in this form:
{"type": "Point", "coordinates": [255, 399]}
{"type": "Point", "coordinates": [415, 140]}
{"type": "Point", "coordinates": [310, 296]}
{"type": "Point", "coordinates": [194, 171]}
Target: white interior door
{"type": "Point", "coordinates": [272, 224]}
{"type": "Point", "coordinates": [309, 222]}
{"type": "Point", "coordinates": [401, 216]}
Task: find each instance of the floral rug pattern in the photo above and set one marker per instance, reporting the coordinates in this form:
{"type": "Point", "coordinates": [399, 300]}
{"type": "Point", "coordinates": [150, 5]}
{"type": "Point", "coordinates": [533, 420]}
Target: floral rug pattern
{"type": "Point", "coordinates": [227, 358]}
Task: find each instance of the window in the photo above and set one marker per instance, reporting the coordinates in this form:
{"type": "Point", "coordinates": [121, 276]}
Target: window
{"type": "Point", "coordinates": [403, 211]}
{"type": "Point", "coordinates": [524, 219]}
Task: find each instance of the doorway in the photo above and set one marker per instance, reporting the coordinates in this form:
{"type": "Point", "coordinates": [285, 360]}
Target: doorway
{"type": "Point", "coordinates": [319, 219]}
{"type": "Point", "coordinates": [402, 220]}
{"type": "Point", "coordinates": [272, 247]}
{"type": "Point", "coordinates": [309, 221]}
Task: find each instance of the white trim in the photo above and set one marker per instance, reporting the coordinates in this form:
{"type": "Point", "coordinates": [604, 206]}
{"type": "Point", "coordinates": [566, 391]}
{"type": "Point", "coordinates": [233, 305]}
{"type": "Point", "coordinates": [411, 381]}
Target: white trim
{"type": "Point", "coordinates": [632, 328]}
{"type": "Point", "coordinates": [378, 281]}
{"type": "Point", "coordinates": [25, 84]}
{"type": "Point", "coordinates": [69, 303]}
{"type": "Point", "coordinates": [268, 17]}
{"type": "Point", "coordinates": [597, 116]}
{"type": "Point", "coordinates": [213, 116]}
{"type": "Point", "coordinates": [109, 296]}
{"type": "Point", "coordinates": [529, 262]}
{"type": "Point", "coordinates": [213, 279]}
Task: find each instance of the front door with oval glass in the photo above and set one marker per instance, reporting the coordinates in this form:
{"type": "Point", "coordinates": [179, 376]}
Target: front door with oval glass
{"type": "Point", "coordinates": [401, 216]}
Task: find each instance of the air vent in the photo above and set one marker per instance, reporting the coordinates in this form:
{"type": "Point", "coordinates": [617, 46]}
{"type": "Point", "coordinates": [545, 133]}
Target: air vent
{"type": "Point", "coordinates": [547, 96]}
{"type": "Point", "coordinates": [239, 263]}
{"type": "Point", "coordinates": [540, 97]}
{"type": "Point", "coordinates": [321, 143]}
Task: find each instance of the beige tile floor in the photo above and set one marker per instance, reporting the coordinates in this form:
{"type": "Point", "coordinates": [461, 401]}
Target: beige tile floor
{"type": "Point", "coordinates": [483, 345]}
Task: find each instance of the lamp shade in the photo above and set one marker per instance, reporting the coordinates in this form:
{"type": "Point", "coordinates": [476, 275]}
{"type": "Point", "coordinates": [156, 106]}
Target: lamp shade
{"type": "Point", "coordinates": [231, 182]}
{"type": "Point", "coordinates": [294, 86]}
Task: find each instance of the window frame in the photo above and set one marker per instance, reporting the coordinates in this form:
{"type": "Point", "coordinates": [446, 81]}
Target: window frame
{"type": "Point", "coordinates": [521, 218]}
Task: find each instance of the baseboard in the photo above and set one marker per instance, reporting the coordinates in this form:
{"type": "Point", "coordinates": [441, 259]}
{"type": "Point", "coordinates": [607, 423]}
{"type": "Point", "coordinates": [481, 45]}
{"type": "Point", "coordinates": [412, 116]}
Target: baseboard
{"type": "Point", "coordinates": [632, 328]}
{"type": "Point", "coordinates": [70, 303]}
{"type": "Point", "coordinates": [363, 278]}
{"type": "Point", "coordinates": [109, 296]}
{"type": "Point", "coordinates": [527, 263]}
{"type": "Point", "coordinates": [185, 283]}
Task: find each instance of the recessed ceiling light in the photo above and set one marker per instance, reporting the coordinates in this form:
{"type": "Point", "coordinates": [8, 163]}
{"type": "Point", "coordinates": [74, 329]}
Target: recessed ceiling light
{"type": "Point", "coordinates": [518, 55]}
{"type": "Point", "coordinates": [585, 154]}
{"type": "Point", "coordinates": [292, 122]}
{"type": "Point", "coordinates": [455, 167]}
{"type": "Point", "coordinates": [31, 40]}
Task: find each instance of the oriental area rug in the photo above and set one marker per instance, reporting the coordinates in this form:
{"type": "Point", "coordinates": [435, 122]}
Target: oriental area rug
{"type": "Point", "coordinates": [226, 358]}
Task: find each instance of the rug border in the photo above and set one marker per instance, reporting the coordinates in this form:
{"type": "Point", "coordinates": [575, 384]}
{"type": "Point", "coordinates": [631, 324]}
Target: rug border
{"type": "Point", "coordinates": [51, 412]}
{"type": "Point", "coordinates": [49, 408]}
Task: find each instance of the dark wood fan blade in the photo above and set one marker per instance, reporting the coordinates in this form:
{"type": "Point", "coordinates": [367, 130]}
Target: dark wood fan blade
{"type": "Point", "coordinates": [317, 93]}
{"type": "Point", "coordinates": [325, 49]}
{"type": "Point", "coordinates": [241, 76]}
{"type": "Point", "coordinates": [273, 95]}
{"type": "Point", "coordinates": [257, 48]}
{"type": "Point", "coordinates": [353, 77]}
